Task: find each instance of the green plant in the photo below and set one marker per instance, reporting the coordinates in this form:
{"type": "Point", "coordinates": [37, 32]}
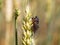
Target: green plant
{"type": "Point", "coordinates": [27, 31]}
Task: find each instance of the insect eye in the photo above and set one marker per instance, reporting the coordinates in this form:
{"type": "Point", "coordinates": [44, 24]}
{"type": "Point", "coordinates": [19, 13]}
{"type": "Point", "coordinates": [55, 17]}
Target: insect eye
{"type": "Point", "coordinates": [36, 19]}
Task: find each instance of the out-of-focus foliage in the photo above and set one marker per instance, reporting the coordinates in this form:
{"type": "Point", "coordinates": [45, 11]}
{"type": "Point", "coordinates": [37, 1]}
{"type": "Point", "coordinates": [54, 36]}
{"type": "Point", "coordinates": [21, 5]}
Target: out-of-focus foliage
{"type": "Point", "coordinates": [1, 4]}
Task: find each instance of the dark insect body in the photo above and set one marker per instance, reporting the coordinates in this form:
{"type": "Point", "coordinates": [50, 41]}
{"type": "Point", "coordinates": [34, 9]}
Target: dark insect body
{"type": "Point", "coordinates": [35, 22]}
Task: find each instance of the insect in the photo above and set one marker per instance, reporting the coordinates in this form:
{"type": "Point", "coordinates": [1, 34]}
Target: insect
{"type": "Point", "coordinates": [35, 22]}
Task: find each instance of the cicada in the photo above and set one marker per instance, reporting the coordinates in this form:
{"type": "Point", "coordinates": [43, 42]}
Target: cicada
{"type": "Point", "coordinates": [35, 22]}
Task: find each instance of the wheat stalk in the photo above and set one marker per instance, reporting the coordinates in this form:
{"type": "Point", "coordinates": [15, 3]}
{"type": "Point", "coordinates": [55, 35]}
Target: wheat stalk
{"type": "Point", "coordinates": [27, 31]}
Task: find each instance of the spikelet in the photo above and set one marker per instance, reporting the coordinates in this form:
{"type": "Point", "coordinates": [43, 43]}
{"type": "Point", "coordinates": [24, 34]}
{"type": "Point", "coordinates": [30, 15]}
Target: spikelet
{"type": "Point", "coordinates": [27, 31]}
